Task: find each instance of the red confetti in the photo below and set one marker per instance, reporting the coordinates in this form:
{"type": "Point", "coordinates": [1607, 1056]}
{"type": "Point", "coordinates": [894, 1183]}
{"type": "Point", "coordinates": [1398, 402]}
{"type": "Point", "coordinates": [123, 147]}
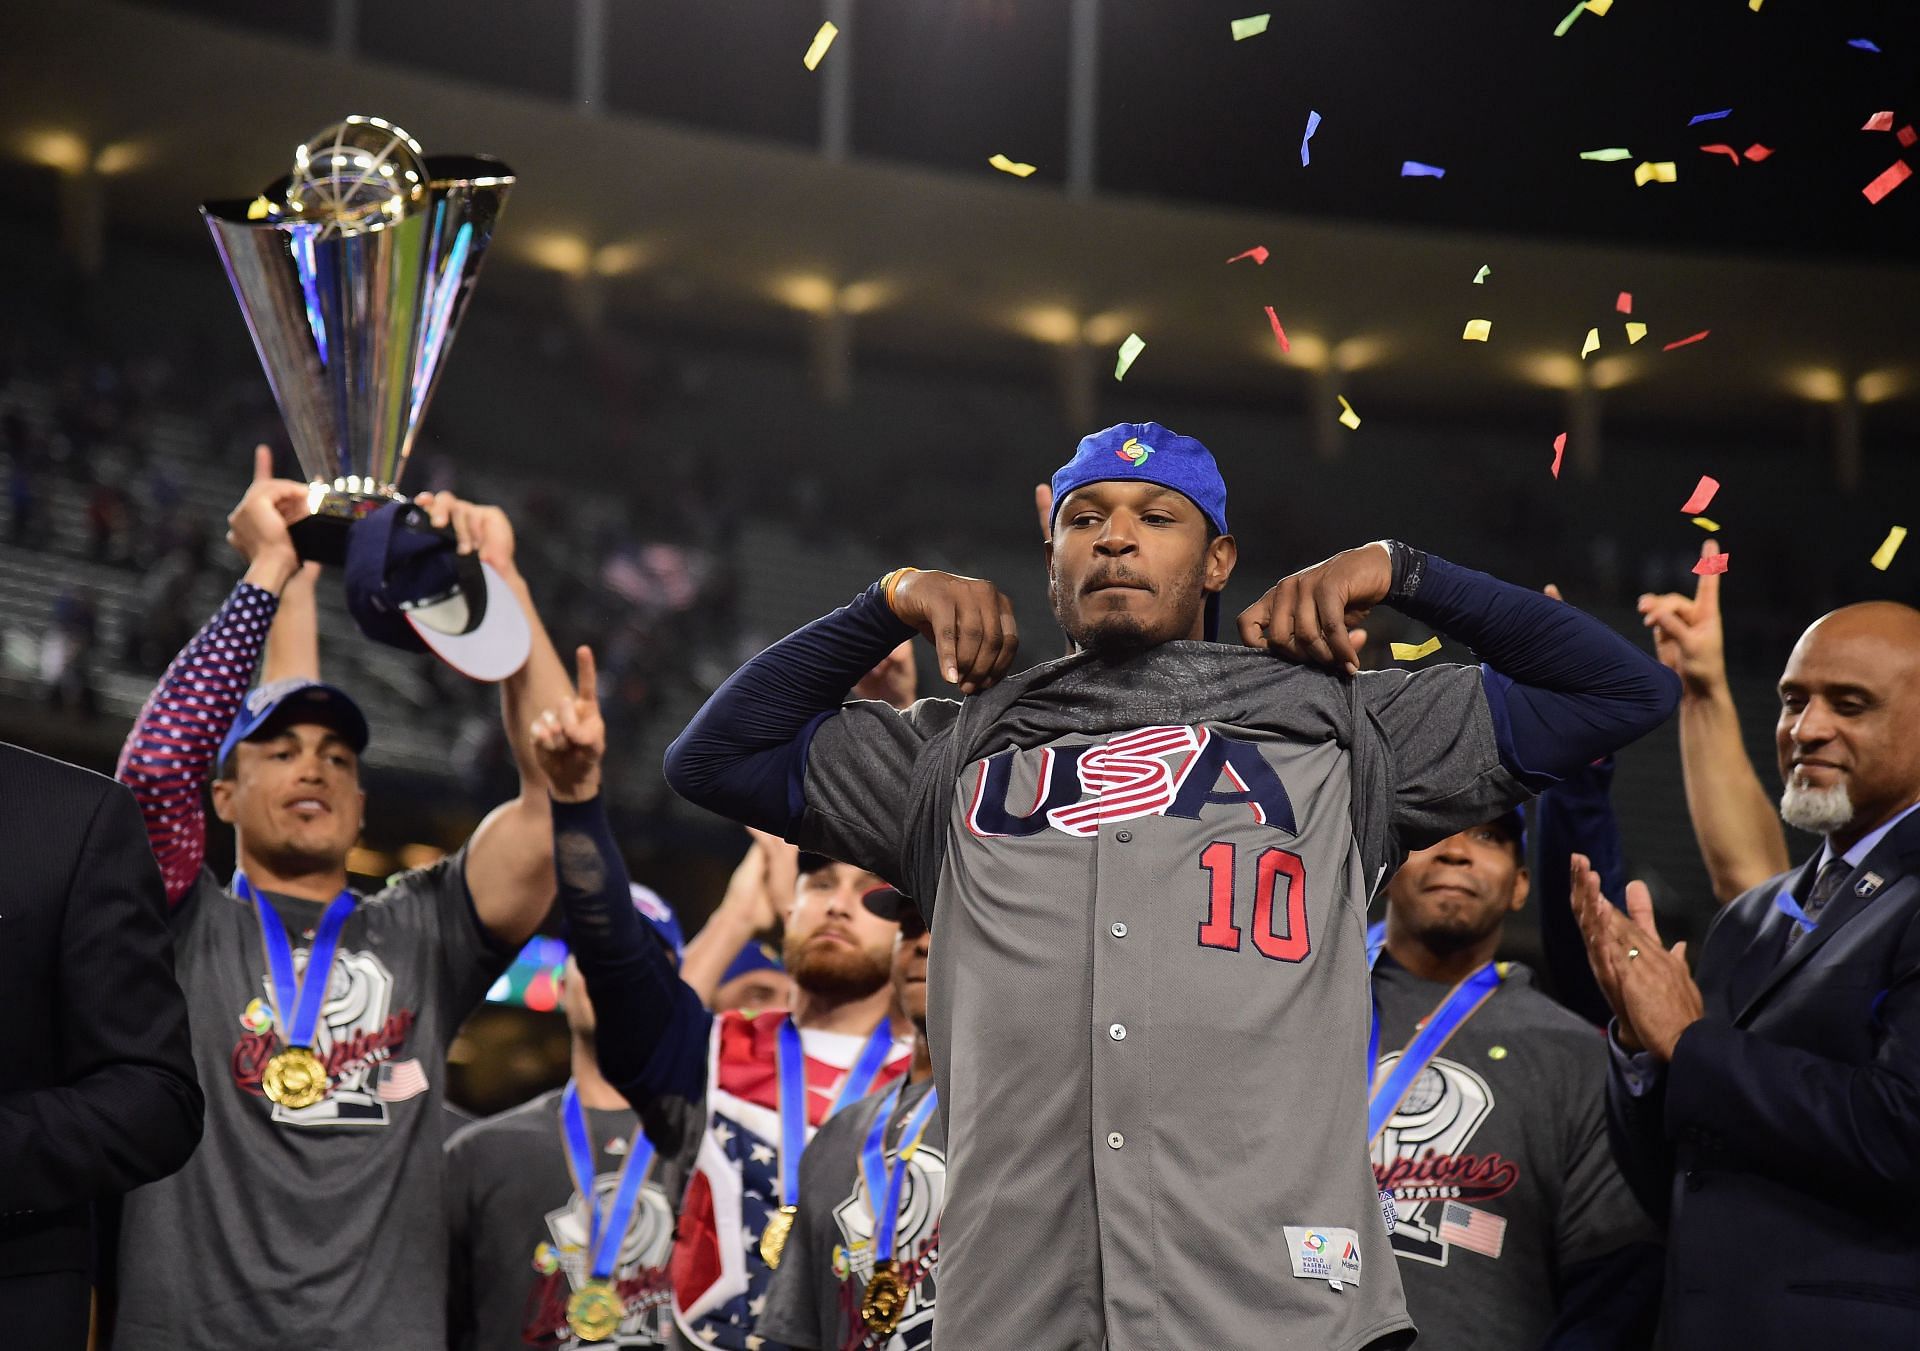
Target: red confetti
{"type": "Point", "coordinates": [1907, 135]}
{"type": "Point", "coordinates": [1726, 150]}
{"type": "Point", "coordinates": [1559, 450]}
{"type": "Point", "coordinates": [1258, 253]}
{"type": "Point", "coordinates": [1887, 182]}
{"type": "Point", "coordinates": [1702, 495]}
{"type": "Point", "coordinates": [1710, 564]}
{"type": "Point", "coordinates": [1278, 331]}
{"type": "Point", "coordinates": [1684, 341]}
{"type": "Point", "coordinates": [1756, 152]}
{"type": "Point", "coordinates": [1625, 303]}
{"type": "Point", "coordinates": [1880, 122]}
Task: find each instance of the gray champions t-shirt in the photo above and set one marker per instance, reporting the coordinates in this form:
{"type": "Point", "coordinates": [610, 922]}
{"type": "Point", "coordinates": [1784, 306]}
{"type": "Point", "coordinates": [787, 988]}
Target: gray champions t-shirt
{"type": "Point", "coordinates": [814, 1301]}
{"type": "Point", "coordinates": [321, 1228]}
{"type": "Point", "coordinates": [518, 1227]}
{"type": "Point", "coordinates": [1149, 995]}
{"type": "Point", "coordinates": [1498, 1162]}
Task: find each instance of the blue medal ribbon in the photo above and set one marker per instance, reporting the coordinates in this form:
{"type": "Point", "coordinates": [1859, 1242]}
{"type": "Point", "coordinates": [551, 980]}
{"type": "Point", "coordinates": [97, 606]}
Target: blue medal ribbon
{"type": "Point", "coordinates": [304, 997]}
{"type": "Point", "coordinates": [1784, 902]}
{"type": "Point", "coordinates": [883, 1189]}
{"type": "Point", "coordinates": [790, 1067]}
{"type": "Point", "coordinates": [1460, 1004]}
{"type": "Point", "coordinates": [605, 1229]}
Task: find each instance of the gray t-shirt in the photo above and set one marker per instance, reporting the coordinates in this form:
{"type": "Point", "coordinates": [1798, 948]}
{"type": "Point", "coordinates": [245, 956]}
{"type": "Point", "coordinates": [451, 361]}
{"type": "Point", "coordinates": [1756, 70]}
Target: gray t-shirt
{"type": "Point", "coordinates": [1498, 1161]}
{"type": "Point", "coordinates": [321, 1227]}
{"type": "Point", "coordinates": [1149, 995]}
{"type": "Point", "coordinates": [519, 1228]}
{"type": "Point", "coordinates": [814, 1301]}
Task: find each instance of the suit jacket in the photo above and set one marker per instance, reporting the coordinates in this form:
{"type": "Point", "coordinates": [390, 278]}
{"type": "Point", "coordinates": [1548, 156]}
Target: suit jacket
{"type": "Point", "coordinates": [1783, 1141]}
{"type": "Point", "coordinates": [97, 1089]}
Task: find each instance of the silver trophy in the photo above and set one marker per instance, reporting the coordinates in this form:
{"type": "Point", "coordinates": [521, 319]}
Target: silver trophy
{"type": "Point", "coordinates": [353, 273]}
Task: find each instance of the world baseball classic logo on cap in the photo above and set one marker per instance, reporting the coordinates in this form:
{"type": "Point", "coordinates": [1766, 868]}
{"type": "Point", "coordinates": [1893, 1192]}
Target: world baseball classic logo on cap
{"type": "Point", "coordinates": [1134, 452]}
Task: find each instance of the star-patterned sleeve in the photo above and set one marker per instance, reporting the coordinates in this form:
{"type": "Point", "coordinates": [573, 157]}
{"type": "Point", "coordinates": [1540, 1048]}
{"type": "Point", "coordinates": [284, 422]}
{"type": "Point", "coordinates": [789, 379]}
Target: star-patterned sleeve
{"type": "Point", "coordinates": [170, 750]}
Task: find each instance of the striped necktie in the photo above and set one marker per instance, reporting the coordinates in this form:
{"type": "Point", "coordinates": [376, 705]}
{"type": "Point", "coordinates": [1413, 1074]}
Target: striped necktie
{"type": "Point", "coordinates": [1824, 886]}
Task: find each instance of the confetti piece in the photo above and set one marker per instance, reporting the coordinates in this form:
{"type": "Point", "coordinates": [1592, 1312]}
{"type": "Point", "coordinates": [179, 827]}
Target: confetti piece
{"type": "Point", "coordinates": [1685, 341]}
{"type": "Point", "coordinates": [1888, 547]}
{"type": "Point", "coordinates": [1757, 152]}
{"type": "Point", "coordinates": [1007, 166]}
{"type": "Point", "coordinates": [1863, 44]}
{"type": "Point", "coordinates": [1897, 174]}
{"type": "Point", "coordinates": [1278, 331]}
{"type": "Point", "coordinates": [1258, 253]}
{"type": "Point", "coordinates": [1703, 492]}
{"type": "Point", "coordinates": [1313, 125]}
{"type": "Point", "coordinates": [1727, 150]}
{"type": "Point", "coordinates": [1907, 135]}
{"type": "Point", "coordinates": [1607, 156]}
{"type": "Point", "coordinates": [1704, 523]}
{"type": "Point", "coordinates": [1754, 5]}
{"type": "Point", "coordinates": [1664, 171]}
{"type": "Point", "coordinates": [1599, 8]}
{"type": "Point", "coordinates": [1591, 345]}
{"type": "Point", "coordinates": [1130, 351]}
{"type": "Point", "coordinates": [1559, 452]}
{"type": "Point", "coordinates": [259, 209]}
{"type": "Point", "coordinates": [1624, 305]}
{"type": "Point", "coordinates": [1478, 330]}
{"type": "Point", "coordinates": [1251, 27]}
{"type": "Point", "coordinates": [1415, 651]}
{"type": "Point", "coordinates": [1413, 168]}
{"type": "Point", "coordinates": [821, 41]}
{"type": "Point", "coordinates": [1480, 277]}
{"type": "Point", "coordinates": [1560, 29]}
{"type": "Point", "coordinates": [1635, 332]}
{"type": "Point", "coordinates": [1882, 121]}
{"type": "Point", "coordinates": [1711, 565]}
{"type": "Point", "coordinates": [1698, 118]}
{"type": "Point", "coordinates": [1348, 418]}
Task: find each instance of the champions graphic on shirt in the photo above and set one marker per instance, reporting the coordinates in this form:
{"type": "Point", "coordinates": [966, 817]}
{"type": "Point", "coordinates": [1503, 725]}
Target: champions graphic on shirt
{"type": "Point", "coordinates": [639, 1277]}
{"type": "Point", "coordinates": [916, 1250]}
{"type": "Point", "coordinates": [359, 1039]}
{"type": "Point", "coordinates": [1421, 1157]}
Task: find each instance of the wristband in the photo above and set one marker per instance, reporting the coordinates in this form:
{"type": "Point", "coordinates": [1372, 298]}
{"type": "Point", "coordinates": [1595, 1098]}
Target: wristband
{"type": "Point", "coordinates": [890, 583]}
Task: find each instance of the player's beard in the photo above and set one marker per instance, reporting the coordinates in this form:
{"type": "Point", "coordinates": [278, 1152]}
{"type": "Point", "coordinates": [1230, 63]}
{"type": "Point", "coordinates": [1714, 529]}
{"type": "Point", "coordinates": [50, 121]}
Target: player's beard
{"type": "Point", "coordinates": [1118, 635]}
{"type": "Point", "coordinates": [835, 971]}
{"type": "Point", "coordinates": [1819, 811]}
{"type": "Point", "coordinates": [1450, 934]}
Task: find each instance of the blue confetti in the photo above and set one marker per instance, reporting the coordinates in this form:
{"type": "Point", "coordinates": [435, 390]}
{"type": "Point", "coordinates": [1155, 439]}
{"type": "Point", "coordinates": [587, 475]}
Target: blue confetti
{"type": "Point", "coordinates": [1313, 125]}
{"type": "Point", "coordinates": [1864, 44]}
{"type": "Point", "coordinates": [1708, 117]}
{"type": "Point", "coordinates": [1415, 169]}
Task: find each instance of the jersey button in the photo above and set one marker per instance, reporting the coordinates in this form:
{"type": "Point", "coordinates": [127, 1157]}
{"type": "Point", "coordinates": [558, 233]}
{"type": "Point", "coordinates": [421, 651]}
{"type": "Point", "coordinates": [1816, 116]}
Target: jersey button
{"type": "Point", "coordinates": [1124, 836]}
{"type": "Point", "coordinates": [1119, 931]}
{"type": "Point", "coordinates": [1115, 1139]}
{"type": "Point", "coordinates": [1118, 1032]}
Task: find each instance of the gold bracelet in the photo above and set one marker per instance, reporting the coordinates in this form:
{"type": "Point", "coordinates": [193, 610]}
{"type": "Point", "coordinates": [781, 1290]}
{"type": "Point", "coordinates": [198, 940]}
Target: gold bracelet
{"type": "Point", "coordinates": [891, 582]}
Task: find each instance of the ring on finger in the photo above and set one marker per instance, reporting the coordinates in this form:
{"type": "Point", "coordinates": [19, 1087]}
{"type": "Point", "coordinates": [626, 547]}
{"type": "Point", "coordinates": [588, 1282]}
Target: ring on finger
{"type": "Point", "coordinates": [1632, 953]}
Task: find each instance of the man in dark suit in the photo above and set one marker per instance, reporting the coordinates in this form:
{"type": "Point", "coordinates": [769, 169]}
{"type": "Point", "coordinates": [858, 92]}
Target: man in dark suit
{"type": "Point", "coordinates": [1771, 1112]}
{"type": "Point", "coordinates": [97, 1089]}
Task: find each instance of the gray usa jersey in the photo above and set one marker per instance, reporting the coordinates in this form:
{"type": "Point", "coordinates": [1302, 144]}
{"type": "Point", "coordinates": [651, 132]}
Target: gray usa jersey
{"type": "Point", "coordinates": [1147, 883]}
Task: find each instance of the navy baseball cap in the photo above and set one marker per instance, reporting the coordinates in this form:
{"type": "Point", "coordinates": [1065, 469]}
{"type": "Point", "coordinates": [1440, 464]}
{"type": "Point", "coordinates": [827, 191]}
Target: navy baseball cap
{"type": "Point", "coordinates": [1150, 453]}
{"type": "Point", "coordinates": [271, 708]}
{"type": "Point", "coordinates": [894, 904]}
{"type": "Point", "coordinates": [409, 586]}
{"type": "Point", "coordinates": [753, 957]}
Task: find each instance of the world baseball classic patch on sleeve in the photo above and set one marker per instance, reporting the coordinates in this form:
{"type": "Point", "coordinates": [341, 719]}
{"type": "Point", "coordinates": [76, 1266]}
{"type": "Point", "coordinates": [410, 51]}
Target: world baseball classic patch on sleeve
{"type": "Point", "coordinates": [1330, 1255]}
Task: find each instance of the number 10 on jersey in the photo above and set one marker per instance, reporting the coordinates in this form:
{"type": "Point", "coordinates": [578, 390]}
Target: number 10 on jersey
{"type": "Point", "coordinates": [1279, 923]}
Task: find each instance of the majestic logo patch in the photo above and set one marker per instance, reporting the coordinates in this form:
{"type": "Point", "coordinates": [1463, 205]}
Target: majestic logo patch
{"type": "Point", "coordinates": [1134, 451]}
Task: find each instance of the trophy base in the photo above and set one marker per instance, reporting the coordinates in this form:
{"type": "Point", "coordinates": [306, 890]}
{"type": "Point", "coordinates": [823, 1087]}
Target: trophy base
{"type": "Point", "coordinates": [322, 537]}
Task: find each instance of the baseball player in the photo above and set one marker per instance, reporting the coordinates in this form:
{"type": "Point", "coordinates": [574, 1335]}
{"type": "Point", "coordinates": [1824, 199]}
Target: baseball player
{"type": "Point", "coordinates": [1146, 867]}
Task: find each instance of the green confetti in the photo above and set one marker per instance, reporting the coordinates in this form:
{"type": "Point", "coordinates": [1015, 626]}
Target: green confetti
{"type": "Point", "coordinates": [1130, 351]}
{"type": "Point", "coordinates": [1480, 277]}
{"type": "Point", "coordinates": [1611, 153]}
{"type": "Point", "coordinates": [1560, 30]}
{"type": "Point", "coordinates": [1250, 27]}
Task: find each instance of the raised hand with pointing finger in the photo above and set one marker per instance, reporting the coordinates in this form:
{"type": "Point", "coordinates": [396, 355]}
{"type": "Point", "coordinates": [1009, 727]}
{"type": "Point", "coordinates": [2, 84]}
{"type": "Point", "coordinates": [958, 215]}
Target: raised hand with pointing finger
{"type": "Point", "coordinates": [571, 740]}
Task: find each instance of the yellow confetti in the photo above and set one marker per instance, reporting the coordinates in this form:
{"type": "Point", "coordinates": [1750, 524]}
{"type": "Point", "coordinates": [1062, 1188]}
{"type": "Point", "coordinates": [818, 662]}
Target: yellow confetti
{"type": "Point", "coordinates": [1251, 27]}
{"type": "Point", "coordinates": [1889, 547]}
{"type": "Point", "coordinates": [1348, 418]}
{"type": "Point", "coordinates": [259, 209]}
{"type": "Point", "coordinates": [1650, 171]}
{"type": "Point", "coordinates": [1496, 1053]}
{"type": "Point", "coordinates": [1415, 651]}
{"type": "Point", "coordinates": [821, 41]}
{"type": "Point", "coordinates": [1130, 351]}
{"type": "Point", "coordinates": [1635, 332]}
{"type": "Point", "coordinates": [1754, 5]}
{"type": "Point", "coordinates": [1478, 330]}
{"type": "Point", "coordinates": [1591, 345]}
{"type": "Point", "coordinates": [1706, 523]}
{"type": "Point", "coordinates": [1007, 166]}
{"type": "Point", "coordinates": [1599, 8]}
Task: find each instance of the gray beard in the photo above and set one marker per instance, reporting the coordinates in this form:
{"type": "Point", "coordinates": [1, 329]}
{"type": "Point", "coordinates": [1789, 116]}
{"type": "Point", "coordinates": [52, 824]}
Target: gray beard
{"type": "Point", "coordinates": [1819, 811]}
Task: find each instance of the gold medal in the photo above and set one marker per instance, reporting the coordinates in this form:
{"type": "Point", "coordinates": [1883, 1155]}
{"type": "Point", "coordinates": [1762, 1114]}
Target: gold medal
{"type": "Point", "coordinates": [773, 1239]}
{"type": "Point", "coordinates": [295, 1078]}
{"type": "Point", "coordinates": [885, 1298]}
{"type": "Point", "coordinates": [593, 1311]}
